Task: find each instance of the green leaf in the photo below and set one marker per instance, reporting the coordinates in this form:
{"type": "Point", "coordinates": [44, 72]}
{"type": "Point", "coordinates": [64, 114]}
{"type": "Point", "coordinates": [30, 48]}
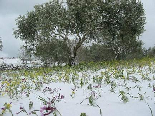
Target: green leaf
{"type": "Point", "coordinates": [83, 114]}
{"type": "Point", "coordinates": [30, 105]}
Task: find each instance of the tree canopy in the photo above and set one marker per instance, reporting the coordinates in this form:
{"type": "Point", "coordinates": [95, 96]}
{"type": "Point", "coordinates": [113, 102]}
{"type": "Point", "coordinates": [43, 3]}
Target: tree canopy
{"type": "Point", "coordinates": [75, 22]}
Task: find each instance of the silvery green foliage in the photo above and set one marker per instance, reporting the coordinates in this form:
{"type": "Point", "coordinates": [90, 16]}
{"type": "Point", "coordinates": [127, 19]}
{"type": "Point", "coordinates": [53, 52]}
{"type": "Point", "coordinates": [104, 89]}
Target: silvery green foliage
{"type": "Point", "coordinates": [75, 22]}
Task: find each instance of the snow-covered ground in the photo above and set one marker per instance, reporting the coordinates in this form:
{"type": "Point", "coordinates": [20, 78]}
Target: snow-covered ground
{"type": "Point", "coordinates": [9, 61]}
{"type": "Point", "coordinates": [110, 91]}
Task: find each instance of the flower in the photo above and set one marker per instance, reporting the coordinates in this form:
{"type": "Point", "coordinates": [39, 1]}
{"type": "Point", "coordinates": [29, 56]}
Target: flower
{"type": "Point", "coordinates": [153, 88]}
{"type": "Point", "coordinates": [7, 106]}
{"type": "Point", "coordinates": [3, 110]}
{"type": "Point", "coordinates": [21, 108]}
{"type": "Point", "coordinates": [62, 96]}
{"type": "Point", "coordinates": [46, 110]}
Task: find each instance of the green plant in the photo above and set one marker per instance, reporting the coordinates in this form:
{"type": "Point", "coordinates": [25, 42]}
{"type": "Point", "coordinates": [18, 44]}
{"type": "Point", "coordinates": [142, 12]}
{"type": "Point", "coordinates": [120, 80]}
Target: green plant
{"type": "Point", "coordinates": [7, 107]}
{"type": "Point", "coordinates": [83, 114]}
{"type": "Point", "coordinates": [124, 98]}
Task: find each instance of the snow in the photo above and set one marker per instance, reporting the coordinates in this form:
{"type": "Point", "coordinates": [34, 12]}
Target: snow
{"type": "Point", "coordinates": [9, 61]}
{"type": "Point", "coordinates": [137, 85]}
{"type": "Point", "coordinates": [18, 62]}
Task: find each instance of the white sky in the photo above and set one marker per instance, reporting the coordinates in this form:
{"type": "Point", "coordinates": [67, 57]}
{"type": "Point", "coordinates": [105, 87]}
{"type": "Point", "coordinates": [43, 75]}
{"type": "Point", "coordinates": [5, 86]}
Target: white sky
{"type": "Point", "coordinates": [11, 9]}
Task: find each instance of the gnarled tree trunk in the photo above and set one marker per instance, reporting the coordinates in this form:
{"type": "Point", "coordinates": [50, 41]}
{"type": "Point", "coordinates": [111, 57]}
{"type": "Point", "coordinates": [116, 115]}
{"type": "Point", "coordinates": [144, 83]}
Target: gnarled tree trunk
{"type": "Point", "coordinates": [75, 49]}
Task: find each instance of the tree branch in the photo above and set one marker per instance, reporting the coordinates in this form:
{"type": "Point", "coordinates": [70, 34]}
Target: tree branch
{"type": "Point", "coordinates": [57, 34]}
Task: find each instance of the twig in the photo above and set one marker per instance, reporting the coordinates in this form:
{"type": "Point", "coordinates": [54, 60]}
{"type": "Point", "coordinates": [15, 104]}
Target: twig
{"type": "Point", "coordinates": [149, 108]}
{"type": "Point", "coordinates": [83, 100]}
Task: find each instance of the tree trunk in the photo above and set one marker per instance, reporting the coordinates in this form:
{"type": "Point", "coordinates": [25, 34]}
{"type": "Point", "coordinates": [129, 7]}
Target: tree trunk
{"type": "Point", "coordinates": [75, 49]}
{"type": "Point", "coordinates": [73, 56]}
{"type": "Point", "coordinates": [71, 61]}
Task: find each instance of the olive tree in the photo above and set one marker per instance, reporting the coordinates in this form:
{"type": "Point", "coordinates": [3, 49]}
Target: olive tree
{"type": "Point", "coordinates": [124, 24]}
{"type": "Point", "coordinates": [76, 22]}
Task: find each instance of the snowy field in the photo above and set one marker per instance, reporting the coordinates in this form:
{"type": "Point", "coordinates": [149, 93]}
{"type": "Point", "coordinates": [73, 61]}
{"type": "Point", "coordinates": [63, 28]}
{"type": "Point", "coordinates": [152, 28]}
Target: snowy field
{"type": "Point", "coordinates": [9, 61]}
{"type": "Point", "coordinates": [17, 63]}
{"type": "Point", "coordinates": [93, 89]}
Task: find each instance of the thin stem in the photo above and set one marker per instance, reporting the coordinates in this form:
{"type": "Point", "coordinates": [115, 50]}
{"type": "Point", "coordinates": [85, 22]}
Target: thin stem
{"type": "Point", "coordinates": [149, 108]}
{"type": "Point", "coordinates": [83, 100]}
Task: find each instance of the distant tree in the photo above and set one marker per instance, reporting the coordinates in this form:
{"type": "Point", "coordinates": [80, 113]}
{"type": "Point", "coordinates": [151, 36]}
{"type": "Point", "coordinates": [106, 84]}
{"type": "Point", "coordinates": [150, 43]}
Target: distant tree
{"type": "Point", "coordinates": [76, 22]}
{"type": "Point", "coordinates": [135, 50]}
{"type": "Point", "coordinates": [102, 52]}
{"type": "Point", "coordinates": [53, 51]}
{"type": "Point", "coordinates": [83, 54]}
{"type": "Point", "coordinates": [25, 54]}
{"type": "Point", "coordinates": [1, 44]}
{"type": "Point", "coordinates": [151, 52]}
{"type": "Point", "coordinates": [124, 24]}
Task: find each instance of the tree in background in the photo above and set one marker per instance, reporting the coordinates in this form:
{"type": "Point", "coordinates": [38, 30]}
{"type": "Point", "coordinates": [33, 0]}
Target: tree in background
{"type": "Point", "coordinates": [75, 22]}
{"type": "Point", "coordinates": [83, 54]}
{"type": "Point", "coordinates": [1, 45]}
{"type": "Point", "coordinates": [151, 52]}
{"type": "Point", "coordinates": [124, 24]}
{"type": "Point", "coordinates": [102, 52]}
{"type": "Point", "coordinates": [25, 54]}
{"type": "Point", "coordinates": [95, 53]}
{"type": "Point", "coordinates": [52, 51]}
